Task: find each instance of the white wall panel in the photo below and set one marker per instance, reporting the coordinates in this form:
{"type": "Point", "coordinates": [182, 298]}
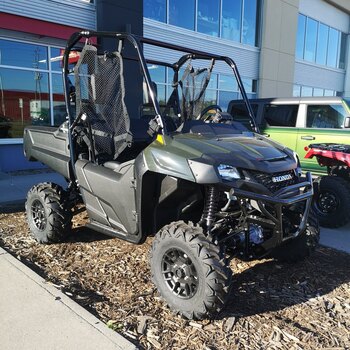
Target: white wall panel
{"type": "Point", "coordinates": [246, 58]}
{"type": "Point", "coordinates": [74, 13]}
{"type": "Point", "coordinates": [312, 75]}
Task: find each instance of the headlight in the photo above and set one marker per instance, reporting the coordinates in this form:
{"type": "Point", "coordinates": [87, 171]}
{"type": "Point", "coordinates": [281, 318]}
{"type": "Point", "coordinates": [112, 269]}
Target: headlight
{"type": "Point", "coordinates": [228, 172]}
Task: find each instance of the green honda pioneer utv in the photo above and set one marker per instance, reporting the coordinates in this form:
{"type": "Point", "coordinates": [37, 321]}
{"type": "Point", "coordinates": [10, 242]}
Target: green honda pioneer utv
{"type": "Point", "coordinates": [201, 183]}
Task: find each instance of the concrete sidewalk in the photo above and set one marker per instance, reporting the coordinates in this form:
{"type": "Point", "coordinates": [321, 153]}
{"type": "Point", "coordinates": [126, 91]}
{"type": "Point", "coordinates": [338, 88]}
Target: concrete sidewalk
{"type": "Point", "coordinates": [35, 315]}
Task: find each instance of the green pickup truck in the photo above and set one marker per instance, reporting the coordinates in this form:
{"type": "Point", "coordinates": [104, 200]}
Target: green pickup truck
{"type": "Point", "coordinates": [297, 123]}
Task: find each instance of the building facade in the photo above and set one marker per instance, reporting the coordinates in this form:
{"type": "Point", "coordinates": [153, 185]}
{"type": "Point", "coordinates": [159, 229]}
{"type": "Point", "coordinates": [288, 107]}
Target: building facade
{"type": "Point", "coordinates": [281, 47]}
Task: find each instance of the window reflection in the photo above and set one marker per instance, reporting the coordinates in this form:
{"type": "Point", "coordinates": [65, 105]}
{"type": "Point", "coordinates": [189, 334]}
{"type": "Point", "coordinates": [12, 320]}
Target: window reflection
{"type": "Point", "coordinates": [301, 36]}
{"type": "Point", "coordinates": [24, 55]}
{"type": "Point", "coordinates": [208, 17]}
{"type": "Point", "coordinates": [319, 43]}
{"type": "Point", "coordinates": [155, 9]}
{"type": "Point", "coordinates": [249, 22]}
{"type": "Point", "coordinates": [239, 18]}
{"type": "Point", "coordinates": [181, 13]}
{"type": "Point", "coordinates": [231, 19]}
{"type": "Point", "coordinates": [24, 100]}
{"type": "Point", "coordinates": [310, 40]}
{"type": "Point", "coordinates": [322, 44]}
{"type": "Point", "coordinates": [332, 47]}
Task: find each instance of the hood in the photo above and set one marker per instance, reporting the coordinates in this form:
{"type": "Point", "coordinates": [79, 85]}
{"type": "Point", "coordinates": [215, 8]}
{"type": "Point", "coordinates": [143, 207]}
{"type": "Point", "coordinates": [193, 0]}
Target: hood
{"type": "Point", "coordinates": [253, 152]}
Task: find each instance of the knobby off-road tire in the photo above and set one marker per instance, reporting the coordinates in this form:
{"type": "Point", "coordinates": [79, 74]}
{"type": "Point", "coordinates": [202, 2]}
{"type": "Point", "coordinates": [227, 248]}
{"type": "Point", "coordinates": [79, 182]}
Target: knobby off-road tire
{"type": "Point", "coordinates": [332, 201]}
{"type": "Point", "coordinates": [48, 215]}
{"type": "Point", "coordinates": [299, 248]}
{"type": "Point", "coordinates": [189, 271]}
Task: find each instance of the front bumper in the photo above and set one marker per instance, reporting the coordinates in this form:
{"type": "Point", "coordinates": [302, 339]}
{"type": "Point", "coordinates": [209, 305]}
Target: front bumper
{"type": "Point", "coordinates": [283, 198]}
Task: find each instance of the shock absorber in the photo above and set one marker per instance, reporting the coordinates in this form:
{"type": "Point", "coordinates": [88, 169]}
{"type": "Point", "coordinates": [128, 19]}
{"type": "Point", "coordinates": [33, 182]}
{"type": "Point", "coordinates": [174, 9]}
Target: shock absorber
{"type": "Point", "coordinates": [210, 207]}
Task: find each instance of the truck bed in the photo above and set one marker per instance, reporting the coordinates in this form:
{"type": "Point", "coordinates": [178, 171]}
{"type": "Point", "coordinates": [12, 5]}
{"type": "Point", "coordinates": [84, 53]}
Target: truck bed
{"type": "Point", "coordinates": [48, 145]}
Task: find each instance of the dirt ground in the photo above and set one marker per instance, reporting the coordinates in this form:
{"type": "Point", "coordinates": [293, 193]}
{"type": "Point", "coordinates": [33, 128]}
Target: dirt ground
{"type": "Point", "coordinates": [272, 306]}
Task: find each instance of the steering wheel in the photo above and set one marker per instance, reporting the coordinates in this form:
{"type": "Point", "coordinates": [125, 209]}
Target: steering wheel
{"type": "Point", "coordinates": [206, 110]}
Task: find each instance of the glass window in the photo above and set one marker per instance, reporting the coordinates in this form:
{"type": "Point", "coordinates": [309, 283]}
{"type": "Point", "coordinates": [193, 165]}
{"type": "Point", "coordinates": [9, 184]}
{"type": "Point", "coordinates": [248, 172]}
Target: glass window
{"type": "Point", "coordinates": [325, 116]}
{"type": "Point", "coordinates": [322, 44]}
{"type": "Point", "coordinates": [225, 97]}
{"type": "Point", "coordinates": [155, 9]}
{"type": "Point", "coordinates": [208, 17]}
{"type": "Point", "coordinates": [56, 58]}
{"type": "Point", "coordinates": [181, 13]}
{"type": "Point", "coordinates": [328, 92]}
{"type": "Point", "coordinates": [157, 73]}
{"type": "Point", "coordinates": [59, 106]}
{"type": "Point", "coordinates": [342, 53]}
{"type": "Point", "coordinates": [231, 20]}
{"type": "Point", "coordinates": [311, 37]}
{"type": "Point", "coordinates": [296, 90]}
{"type": "Point", "coordinates": [24, 101]}
{"type": "Point", "coordinates": [318, 92]}
{"type": "Point", "coordinates": [213, 82]}
{"type": "Point", "coordinates": [306, 91]}
{"type": "Point", "coordinates": [281, 115]}
{"type": "Point", "coordinates": [228, 83]}
{"type": "Point", "coordinates": [210, 97]}
{"type": "Point", "coordinates": [13, 53]}
{"type": "Point", "coordinates": [240, 114]}
{"type": "Point", "coordinates": [301, 36]}
{"type": "Point", "coordinates": [249, 28]}
{"type": "Point", "coordinates": [332, 47]}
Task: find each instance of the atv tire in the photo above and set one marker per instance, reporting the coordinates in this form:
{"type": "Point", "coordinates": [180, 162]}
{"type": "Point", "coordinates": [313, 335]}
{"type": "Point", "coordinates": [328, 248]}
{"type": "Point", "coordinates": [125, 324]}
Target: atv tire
{"type": "Point", "coordinates": [189, 271]}
{"type": "Point", "coordinates": [48, 215]}
{"type": "Point", "coordinates": [332, 201]}
{"type": "Point", "coordinates": [301, 247]}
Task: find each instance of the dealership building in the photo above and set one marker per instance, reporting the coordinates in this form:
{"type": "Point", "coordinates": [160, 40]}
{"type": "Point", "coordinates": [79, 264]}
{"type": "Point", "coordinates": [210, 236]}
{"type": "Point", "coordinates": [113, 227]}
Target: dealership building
{"type": "Point", "coordinates": [282, 48]}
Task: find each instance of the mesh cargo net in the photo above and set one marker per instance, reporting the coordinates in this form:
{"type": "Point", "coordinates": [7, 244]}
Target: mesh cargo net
{"type": "Point", "coordinates": [100, 93]}
{"type": "Point", "coordinates": [193, 85]}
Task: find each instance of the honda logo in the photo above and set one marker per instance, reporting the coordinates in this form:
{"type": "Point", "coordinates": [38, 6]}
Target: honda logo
{"type": "Point", "coordinates": [282, 178]}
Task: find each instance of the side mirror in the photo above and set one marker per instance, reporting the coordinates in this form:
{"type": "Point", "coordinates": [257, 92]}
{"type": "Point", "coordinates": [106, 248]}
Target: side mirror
{"type": "Point", "coordinates": [347, 122]}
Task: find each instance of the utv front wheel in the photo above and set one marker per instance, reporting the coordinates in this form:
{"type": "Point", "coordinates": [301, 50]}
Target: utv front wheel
{"type": "Point", "coordinates": [48, 217]}
{"type": "Point", "coordinates": [304, 245]}
{"type": "Point", "coordinates": [189, 271]}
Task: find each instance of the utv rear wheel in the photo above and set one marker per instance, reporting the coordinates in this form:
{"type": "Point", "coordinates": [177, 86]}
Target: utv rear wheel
{"type": "Point", "coordinates": [48, 215]}
{"type": "Point", "coordinates": [332, 201]}
{"type": "Point", "coordinates": [189, 271]}
{"type": "Point", "coordinates": [301, 247]}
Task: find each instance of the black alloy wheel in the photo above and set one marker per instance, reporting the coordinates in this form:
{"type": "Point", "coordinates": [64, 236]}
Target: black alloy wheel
{"type": "Point", "coordinates": [179, 273]}
{"type": "Point", "coordinates": [38, 215]}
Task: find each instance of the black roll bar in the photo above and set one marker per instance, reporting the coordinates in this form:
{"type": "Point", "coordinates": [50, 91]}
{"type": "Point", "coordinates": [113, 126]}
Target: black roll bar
{"type": "Point", "coordinates": [136, 42]}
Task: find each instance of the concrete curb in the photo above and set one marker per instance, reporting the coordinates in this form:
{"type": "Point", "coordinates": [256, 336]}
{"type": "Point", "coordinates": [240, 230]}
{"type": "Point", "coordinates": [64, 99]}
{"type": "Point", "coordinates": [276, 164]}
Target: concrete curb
{"type": "Point", "coordinates": [119, 341]}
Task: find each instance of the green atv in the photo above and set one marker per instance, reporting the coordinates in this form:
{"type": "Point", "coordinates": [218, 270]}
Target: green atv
{"type": "Point", "coordinates": [205, 186]}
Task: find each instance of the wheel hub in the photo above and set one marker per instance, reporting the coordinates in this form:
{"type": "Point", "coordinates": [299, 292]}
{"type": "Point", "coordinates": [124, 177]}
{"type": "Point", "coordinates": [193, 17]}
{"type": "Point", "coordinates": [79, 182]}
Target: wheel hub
{"type": "Point", "coordinates": [38, 215]}
{"type": "Point", "coordinates": [327, 202]}
{"type": "Point", "coordinates": [179, 273]}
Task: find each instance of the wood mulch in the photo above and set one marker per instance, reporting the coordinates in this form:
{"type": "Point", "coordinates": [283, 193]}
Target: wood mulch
{"type": "Point", "coordinates": [272, 306]}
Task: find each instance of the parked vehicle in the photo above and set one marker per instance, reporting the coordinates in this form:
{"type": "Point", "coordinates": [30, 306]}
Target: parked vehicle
{"type": "Point", "coordinates": [207, 190]}
{"type": "Point", "coordinates": [297, 122]}
{"type": "Point", "coordinates": [332, 192]}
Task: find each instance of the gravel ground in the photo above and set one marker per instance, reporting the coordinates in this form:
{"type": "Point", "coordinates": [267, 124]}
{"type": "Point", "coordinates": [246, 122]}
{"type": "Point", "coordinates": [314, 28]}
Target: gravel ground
{"type": "Point", "coordinates": [272, 306]}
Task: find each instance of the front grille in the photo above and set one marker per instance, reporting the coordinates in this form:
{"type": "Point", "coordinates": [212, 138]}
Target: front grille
{"type": "Point", "coordinates": [266, 179]}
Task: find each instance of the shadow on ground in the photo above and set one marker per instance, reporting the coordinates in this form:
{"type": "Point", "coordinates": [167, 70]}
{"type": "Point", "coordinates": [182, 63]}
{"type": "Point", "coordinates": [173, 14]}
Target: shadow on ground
{"type": "Point", "coordinates": [270, 286]}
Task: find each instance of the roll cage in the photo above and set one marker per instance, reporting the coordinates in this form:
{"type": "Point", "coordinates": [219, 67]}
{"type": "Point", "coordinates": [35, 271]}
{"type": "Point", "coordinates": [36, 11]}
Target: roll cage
{"type": "Point", "coordinates": [157, 124]}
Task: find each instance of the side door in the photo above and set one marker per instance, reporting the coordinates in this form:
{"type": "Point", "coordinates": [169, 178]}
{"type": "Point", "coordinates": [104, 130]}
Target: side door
{"type": "Point", "coordinates": [279, 122]}
{"type": "Point", "coordinates": [323, 123]}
